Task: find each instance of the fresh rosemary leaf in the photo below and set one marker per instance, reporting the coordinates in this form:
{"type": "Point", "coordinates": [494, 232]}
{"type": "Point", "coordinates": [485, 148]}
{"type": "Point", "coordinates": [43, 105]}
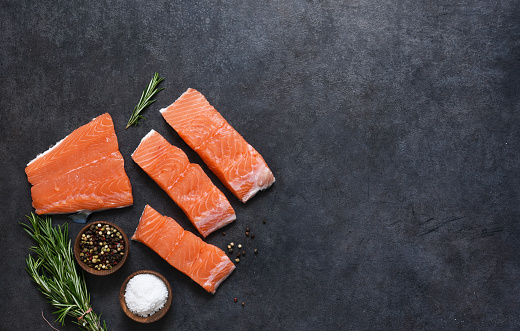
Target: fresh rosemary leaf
{"type": "Point", "coordinates": [145, 101]}
{"type": "Point", "coordinates": [55, 273]}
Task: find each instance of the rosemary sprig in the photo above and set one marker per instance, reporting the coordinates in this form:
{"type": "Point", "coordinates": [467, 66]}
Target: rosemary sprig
{"type": "Point", "coordinates": [56, 275]}
{"type": "Point", "coordinates": [145, 101]}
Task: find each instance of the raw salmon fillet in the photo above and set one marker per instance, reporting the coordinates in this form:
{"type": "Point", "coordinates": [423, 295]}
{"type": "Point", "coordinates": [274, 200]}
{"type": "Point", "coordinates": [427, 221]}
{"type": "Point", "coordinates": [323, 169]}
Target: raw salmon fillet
{"type": "Point", "coordinates": [83, 172]}
{"type": "Point", "coordinates": [236, 163]}
{"type": "Point", "coordinates": [206, 264]}
{"type": "Point", "coordinates": [186, 183]}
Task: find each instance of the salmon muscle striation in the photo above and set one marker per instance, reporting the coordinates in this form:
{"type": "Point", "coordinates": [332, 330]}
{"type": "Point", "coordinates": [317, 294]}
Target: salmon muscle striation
{"type": "Point", "coordinates": [186, 183]}
{"type": "Point", "coordinates": [206, 264]}
{"type": "Point", "coordinates": [235, 162]}
{"type": "Point", "coordinates": [83, 172]}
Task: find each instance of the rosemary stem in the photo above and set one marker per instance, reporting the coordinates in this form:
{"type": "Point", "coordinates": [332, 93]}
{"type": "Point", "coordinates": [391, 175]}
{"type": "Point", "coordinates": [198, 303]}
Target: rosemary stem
{"type": "Point", "coordinates": [145, 101]}
{"type": "Point", "coordinates": [56, 275]}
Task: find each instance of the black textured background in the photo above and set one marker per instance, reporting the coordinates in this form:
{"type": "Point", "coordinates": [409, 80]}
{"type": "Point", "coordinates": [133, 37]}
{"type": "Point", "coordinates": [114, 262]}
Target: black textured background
{"type": "Point", "coordinates": [392, 128]}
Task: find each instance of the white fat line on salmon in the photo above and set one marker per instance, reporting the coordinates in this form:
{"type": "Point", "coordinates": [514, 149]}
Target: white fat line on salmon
{"type": "Point", "coordinates": [223, 264]}
{"type": "Point", "coordinates": [209, 213]}
{"type": "Point", "coordinates": [86, 165]}
{"type": "Point", "coordinates": [179, 177]}
{"type": "Point", "coordinates": [47, 151]}
{"type": "Point", "coordinates": [208, 216]}
{"type": "Point", "coordinates": [55, 145]}
{"type": "Point", "coordinates": [94, 200]}
{"type": "Point", "coordinates": [164, 109]}
{"type": "Point", "coordinates": [133, 236]}
{"type": "Point", "coordinates": [183, 114]}
{"type": "Point", "coordinates": [152, 131]}
{"type": "Point", "coordinates": [223, 223]}
{"type": "Point", "coordinates": [173, 251]}
{"type": "Point", "coordinates": [260, 171]}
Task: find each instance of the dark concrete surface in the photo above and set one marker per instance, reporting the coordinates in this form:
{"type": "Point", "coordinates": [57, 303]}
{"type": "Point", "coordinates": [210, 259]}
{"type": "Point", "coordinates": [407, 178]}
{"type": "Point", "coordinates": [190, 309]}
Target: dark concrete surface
{"type": "Point", "coordinates": [392, 128]}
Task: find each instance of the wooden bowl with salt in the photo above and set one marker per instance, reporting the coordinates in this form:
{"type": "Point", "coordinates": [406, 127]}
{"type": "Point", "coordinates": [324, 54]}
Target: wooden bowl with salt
{"type": "Point", "coordinates": [158, 314]}
{"type": "Point", "coordinates": [78, 251]}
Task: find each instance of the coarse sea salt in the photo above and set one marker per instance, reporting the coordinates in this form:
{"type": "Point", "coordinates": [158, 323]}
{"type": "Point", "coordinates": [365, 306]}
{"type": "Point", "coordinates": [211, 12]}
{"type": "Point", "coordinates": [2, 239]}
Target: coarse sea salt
{"type": "Point", "coordinates": [145, 294]}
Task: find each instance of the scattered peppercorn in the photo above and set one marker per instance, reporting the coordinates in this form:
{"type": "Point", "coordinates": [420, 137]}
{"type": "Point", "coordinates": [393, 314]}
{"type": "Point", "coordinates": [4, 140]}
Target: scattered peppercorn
{"type": "Point", "coordinates": [223, 233]}
{"type": "Point", "coordinates": [235, 299]}
{"type": "Point", "coordinates": [243, 253]}
{"type": "Point", "coordinates": [100, 246]}
{"type": "Point", "coordinates": [247, 229]}
{"type": "Point", "coordinates": [263, 221]}
{"type": "Point", "coordinates": [256, 250]}
{"type": "Point", "coordinates": [239, 246]}
{"type": "Point", "coordinates": [247, 234]}
{"type": "Point", "coordinates": [243, 303]}
{"type": "Point", "coordinates": [238, 254]}
{"type": "Point", "coordinates": [237, 260]}
{"type": "Point", "coordinates": [252, 236]}
{"type": "Point", "coordinates": [230, 250]}
{"type": "Point", "coordinates": [231, 244]}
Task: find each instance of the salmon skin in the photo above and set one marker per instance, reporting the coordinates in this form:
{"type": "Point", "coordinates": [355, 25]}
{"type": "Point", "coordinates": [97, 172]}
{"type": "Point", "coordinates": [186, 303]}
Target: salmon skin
{"type": "Point", "coordinates": [84, 172]}
{"type": "Point", "coordinates": [206, 264]}
{"type": "Point", "coordinates": [236, 163]}
{"type": "Point", "coordinates": [186, 183]}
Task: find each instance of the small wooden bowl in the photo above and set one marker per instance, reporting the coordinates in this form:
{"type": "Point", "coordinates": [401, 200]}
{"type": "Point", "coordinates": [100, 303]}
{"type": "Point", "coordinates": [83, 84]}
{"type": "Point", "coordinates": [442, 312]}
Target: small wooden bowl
{"type": "Point", "coordinates": [159, 314]}
{"type": "Point", "coordinates": [93, 271]}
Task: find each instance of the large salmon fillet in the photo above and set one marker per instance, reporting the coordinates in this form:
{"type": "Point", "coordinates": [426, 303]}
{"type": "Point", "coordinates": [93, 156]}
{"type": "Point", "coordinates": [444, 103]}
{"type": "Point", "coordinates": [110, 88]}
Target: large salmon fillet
{"type": "Point", "coordinates": [206, 264]}
{"type": "Point", "coordinates": [236, 163]}
{"type": "Point", "coordinates": [186, 183]}
{"type": "Point", "coordinates": [83, 172]}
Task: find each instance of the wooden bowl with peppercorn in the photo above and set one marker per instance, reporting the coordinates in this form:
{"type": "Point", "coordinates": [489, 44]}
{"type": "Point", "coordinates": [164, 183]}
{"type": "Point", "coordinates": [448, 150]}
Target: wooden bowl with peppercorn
{"type": "Point", "coordinates": [101, 248]}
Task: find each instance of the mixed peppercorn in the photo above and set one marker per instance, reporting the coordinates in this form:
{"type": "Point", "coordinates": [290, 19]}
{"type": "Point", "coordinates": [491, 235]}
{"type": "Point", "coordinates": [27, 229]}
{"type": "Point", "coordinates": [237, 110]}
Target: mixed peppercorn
{"type": "Point", "coordinates": [101, 247]}
{"type": "Point", "coordinates": [242, 250]}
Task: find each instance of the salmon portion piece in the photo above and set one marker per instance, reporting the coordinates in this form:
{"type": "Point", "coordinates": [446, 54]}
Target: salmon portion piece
{"type": "Point", "coordinates": [97, 137]}
{"type": "Point", "coordinates": [236, 163]}
{"type": "Point", "coordinates": [186, 183]}
{"type": "Point", "coordinates": [206, 264]}
{"type": "Point", "coordinates": [82, 172]}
